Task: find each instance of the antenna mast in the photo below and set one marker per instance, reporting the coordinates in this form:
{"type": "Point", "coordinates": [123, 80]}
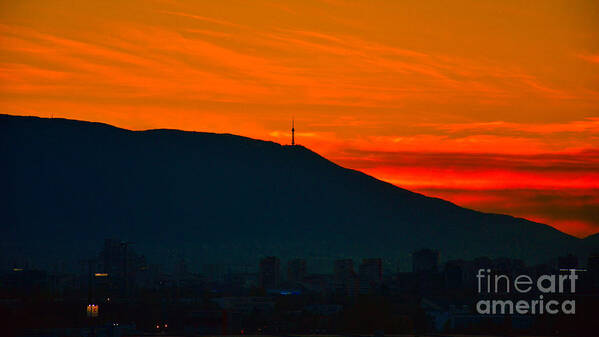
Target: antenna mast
{"type": "Point", "coordinates": [292, 131]}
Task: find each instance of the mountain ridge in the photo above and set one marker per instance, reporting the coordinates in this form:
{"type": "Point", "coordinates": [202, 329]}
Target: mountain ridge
{"type": "Point", "coordinates": [228, 198]}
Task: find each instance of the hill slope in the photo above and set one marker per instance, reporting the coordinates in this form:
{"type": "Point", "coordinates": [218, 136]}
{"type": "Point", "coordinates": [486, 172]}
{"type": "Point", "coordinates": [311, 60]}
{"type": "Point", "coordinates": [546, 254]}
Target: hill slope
{"type": "Point", "coordinates": [219, 197]}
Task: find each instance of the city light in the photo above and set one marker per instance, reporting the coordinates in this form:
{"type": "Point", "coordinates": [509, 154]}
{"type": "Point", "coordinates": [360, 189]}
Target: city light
{"type": "Point", "coordinates": [92, 310]}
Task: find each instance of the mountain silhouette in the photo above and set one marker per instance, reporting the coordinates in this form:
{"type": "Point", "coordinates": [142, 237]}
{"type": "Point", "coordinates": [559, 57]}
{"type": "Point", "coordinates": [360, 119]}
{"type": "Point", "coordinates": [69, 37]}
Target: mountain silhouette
{"type": "Point", "coordinates": [69, 184]}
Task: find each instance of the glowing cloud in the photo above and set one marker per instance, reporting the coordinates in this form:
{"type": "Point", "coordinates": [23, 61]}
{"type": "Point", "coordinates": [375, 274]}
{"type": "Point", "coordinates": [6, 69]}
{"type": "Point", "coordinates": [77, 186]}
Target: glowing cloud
{"type": "Point", "coordinates": [488, 104]}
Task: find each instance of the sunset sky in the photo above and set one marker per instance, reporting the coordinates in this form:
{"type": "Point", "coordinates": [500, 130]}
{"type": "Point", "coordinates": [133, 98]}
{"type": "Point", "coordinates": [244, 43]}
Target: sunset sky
{"type": "Point", "coordinates": [493, 105]}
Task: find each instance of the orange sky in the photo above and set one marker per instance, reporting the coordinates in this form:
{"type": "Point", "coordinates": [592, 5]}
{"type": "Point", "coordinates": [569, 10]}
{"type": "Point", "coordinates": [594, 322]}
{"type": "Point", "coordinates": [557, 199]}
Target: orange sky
{"type": "Point", "coordinates": [493, 105]}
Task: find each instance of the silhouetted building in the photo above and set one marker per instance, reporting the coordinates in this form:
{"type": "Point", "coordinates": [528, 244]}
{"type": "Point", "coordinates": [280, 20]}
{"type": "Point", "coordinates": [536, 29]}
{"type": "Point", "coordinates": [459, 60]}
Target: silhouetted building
{"type": "Point", "coordinates": [120, 264]}
{"type": "Point", "coordinates": [113, 258]}
{"type": "Point", "coordinates": [214, 272]}
{"type": "Point", "coordinates": [425, 260]}
{"type": "Point", "coordinates": [213, 322]}
{"type": "Point", "coordinates": [344, 277]}
{"type": "Point", "coordinates": [27, 280]}
{"type": "Point", "coordinates": [320, 283]}
{"type": "Point", "coordinates": [593, 269]}
{"type": "Point", "coordinates": [343, 268]}
{"type": "Point", "coordinates": [370, 274]}
{"type": "Point", "coordinates": [269, 275]}
{"type": "Point", "coordinates": [507, 266]}
{"type": "Point", "coordinates": [296, 270]}
{"type": "Point", "coordinates": [567, 262]}
{"type": "Point", "coordinates": [453, 274]}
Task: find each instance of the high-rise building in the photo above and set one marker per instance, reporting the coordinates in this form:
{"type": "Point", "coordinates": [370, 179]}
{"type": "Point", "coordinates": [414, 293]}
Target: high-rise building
{"type": "Point", "coordinates": [453, 274]}
{"type": "Point", "coordinates": [344, 277]}
{"type": "Point", "coordinates": [113, 258]}
{"type": "Point", "coordinates": [269, 275]}
{"type": "Point", "coordinates": [370, 274]}
{"type": "Point", "coordinates": [296, 270]}
{"type": "Point", "coordinates": [214, 272]}
{"type": "Point", "coordinates": [120, 264]}
{"type": "Point", "coordinates": [425, 260]}
{"type": "Point", "coordinates": [343, 268]}
{"type": "Point", "coordinates": [567, 262]}
{"type": "Point", "coordinates": [593, 269]}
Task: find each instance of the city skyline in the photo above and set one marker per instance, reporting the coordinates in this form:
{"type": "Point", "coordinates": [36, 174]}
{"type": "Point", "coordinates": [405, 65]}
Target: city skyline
{"type": "Point", "coordinates": [491, 105]}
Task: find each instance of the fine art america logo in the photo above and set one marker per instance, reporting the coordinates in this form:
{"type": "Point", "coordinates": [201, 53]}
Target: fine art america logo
{"type": "Point", "coordinates": [562, 284]}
